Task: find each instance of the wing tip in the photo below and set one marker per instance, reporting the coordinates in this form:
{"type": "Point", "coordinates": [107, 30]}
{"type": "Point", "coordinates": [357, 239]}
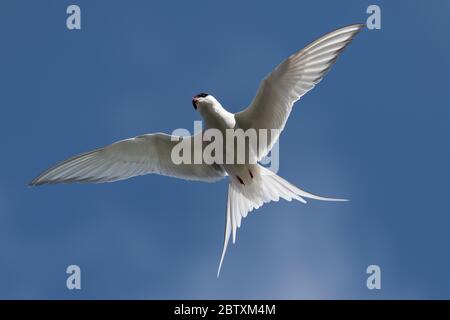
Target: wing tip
{"type": "Point", "coordinates": [36, 182]}
{"type": "Point", "coordinates": [358, 26]}
{"type": "Point", "coordinates": [335, 199]}
{"type": "Point", "coordinates": [354, 29]}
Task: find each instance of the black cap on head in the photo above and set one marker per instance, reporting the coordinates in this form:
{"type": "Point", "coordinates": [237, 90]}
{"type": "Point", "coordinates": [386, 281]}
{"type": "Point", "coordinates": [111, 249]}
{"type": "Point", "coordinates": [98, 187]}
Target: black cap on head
{"type": "Point", "coordinates": [200, 95]}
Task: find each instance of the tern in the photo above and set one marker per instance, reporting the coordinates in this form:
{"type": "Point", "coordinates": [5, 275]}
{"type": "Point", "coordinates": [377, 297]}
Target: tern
{"type": "Point", "coordinates": [250, 184]}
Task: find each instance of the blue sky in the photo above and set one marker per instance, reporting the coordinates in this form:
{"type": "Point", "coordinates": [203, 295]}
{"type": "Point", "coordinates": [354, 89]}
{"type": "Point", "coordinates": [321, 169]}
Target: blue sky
{"type": "Point", "coordinates": [375, 131]}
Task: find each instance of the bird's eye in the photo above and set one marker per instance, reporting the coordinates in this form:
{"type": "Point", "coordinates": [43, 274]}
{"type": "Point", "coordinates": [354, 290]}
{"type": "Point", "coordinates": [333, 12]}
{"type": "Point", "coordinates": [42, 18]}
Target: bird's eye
{"type": "Point", "coordinates": [202, 95]}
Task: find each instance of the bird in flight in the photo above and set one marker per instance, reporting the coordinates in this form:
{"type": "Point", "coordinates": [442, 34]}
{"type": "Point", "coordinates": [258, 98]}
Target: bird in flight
{"type": "Point", "coordinates": [250, 184]}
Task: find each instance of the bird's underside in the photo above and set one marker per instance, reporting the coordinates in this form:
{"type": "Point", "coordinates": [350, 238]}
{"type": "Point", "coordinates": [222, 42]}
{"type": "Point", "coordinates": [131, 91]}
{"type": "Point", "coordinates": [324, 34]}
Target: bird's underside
{"type": "Point", "coordinates": [251, 185]}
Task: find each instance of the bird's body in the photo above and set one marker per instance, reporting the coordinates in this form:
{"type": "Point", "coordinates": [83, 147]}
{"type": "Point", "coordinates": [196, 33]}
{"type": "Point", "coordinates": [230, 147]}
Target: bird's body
{"type": "Point", "coordinates": [251, 185]}
{"type": "Point", "coordinates": [215, 116]}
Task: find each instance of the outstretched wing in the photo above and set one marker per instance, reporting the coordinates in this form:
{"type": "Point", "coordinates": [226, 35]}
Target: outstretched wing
{"type": "Point", "coordinates": [149, 153]}
{"type": "Point", "coordinates": [294, 77]}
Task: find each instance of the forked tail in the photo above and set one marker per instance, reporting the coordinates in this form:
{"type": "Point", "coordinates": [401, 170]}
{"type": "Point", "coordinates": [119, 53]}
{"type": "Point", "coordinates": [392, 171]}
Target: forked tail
{"type": "Point", "coordinates": [266, 187]}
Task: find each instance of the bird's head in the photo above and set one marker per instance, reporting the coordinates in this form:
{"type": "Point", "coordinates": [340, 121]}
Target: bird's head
{"type": "Point", "coordinates": [203, 100]}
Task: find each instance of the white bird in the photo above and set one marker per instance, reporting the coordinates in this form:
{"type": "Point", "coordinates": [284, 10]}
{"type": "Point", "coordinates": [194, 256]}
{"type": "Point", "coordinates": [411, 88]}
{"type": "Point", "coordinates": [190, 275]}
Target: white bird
{"type": "Point", "coordinates": [251, 185]}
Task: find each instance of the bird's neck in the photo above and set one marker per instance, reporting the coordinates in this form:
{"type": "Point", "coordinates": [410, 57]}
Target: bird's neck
{"type": "Point", "coordinates": [217, 117]}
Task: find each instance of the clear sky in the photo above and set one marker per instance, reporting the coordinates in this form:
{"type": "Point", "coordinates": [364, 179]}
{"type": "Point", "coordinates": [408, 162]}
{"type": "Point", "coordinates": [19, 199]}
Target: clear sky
{"type": "Point", "coordinates": [376, 131]}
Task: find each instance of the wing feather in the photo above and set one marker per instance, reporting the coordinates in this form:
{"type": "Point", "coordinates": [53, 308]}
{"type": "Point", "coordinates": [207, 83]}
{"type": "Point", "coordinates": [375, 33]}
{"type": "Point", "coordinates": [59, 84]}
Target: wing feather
{"type": "Point", "coordinates": [290, 80]}
{"type": "Point", "coordinates": [150, 153]}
